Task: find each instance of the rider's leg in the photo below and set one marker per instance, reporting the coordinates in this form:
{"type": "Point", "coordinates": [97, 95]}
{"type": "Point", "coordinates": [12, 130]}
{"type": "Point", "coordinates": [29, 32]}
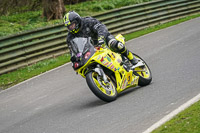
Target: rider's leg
{"type": "Point", "coordinates": [121, 48]}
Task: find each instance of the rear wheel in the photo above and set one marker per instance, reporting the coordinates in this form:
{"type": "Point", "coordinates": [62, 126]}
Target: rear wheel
{"type": "Point", "coordinates": [144, 73]}
{"type": "Point", "coordinates": [105, 91]}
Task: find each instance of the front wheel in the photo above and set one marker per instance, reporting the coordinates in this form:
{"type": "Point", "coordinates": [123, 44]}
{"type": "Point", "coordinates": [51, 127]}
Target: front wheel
{"type": "Point", "coordinates": [105, 91]}
{"type": "Point", "coordinates": [144, 72]}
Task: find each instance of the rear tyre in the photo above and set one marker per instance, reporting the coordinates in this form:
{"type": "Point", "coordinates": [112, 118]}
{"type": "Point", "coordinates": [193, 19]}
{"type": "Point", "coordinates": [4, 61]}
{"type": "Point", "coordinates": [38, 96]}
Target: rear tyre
{"type": "Point", "coordinates": [144, 73]}
{"type": "Point", "coordinates": [106, 92]}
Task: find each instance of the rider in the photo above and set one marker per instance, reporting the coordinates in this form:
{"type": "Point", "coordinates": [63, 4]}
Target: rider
{"type": "Point", "coordinates": [91, 27]}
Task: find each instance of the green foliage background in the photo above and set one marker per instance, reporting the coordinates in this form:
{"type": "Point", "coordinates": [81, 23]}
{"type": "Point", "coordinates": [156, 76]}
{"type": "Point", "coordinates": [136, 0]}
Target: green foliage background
{"type": "Point", "coordinates": [16, 22]}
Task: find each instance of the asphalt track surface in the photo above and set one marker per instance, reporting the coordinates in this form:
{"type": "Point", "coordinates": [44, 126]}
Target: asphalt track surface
{"type": "Point", "coordinates": [60, 101]}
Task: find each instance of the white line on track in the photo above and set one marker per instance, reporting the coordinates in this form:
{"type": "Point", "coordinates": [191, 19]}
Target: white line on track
{"type": "Point", "coordinates": [172, 114]}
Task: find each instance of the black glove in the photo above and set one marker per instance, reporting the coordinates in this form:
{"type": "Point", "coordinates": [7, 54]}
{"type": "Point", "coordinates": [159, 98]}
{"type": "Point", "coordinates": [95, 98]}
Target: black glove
{"type": "Point", "coordinates": [73, 58]}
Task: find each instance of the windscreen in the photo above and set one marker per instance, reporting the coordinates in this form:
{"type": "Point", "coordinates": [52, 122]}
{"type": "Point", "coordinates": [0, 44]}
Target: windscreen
{"type": "Point", "coordinates": [80, 45]}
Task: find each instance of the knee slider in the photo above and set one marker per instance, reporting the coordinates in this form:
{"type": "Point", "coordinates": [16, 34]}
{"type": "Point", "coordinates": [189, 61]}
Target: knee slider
{"type": "Point", "coordinates": [120, 46]}
{"type": "Point", "coordinates": [116, 45]}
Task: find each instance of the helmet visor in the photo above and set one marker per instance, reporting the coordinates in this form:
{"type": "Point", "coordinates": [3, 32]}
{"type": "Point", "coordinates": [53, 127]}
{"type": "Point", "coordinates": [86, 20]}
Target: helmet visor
{"type": "Point", "coordinates": [72, 26]}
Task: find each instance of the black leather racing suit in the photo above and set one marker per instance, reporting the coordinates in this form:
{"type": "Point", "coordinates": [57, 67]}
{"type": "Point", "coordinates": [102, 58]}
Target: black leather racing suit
{"type": "Point", "coordinates": [91, 27]}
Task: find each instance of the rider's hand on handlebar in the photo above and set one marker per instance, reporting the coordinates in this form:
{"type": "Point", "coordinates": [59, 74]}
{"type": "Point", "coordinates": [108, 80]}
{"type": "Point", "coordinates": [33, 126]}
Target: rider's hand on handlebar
{"type": "Point", "coordinates": [77, 57]}
{"type": "Point", "coordinates": [73, 58]}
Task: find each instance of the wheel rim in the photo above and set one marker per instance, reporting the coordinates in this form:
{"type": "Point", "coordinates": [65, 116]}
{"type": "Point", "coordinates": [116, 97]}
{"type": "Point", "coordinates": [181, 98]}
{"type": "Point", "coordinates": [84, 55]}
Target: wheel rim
{"type": "Point", "coordinates": [108, 89]}
{"type": "Point", "coordinates": [143, 71]}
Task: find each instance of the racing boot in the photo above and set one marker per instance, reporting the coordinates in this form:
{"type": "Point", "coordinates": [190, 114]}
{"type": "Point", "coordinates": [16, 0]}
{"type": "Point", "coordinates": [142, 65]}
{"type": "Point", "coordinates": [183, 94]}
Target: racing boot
{"type": "Point", "coordinates": [134, 61]}
{"type": "Point", "coordinates": [121, 48]}
{"type": "Point", "coordinates": [130, 56]}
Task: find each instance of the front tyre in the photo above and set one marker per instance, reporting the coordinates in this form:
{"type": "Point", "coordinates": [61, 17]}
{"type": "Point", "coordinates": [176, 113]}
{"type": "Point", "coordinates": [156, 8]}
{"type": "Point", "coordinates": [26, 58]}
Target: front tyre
{"type": "Point", "coordinates": [106, 92]}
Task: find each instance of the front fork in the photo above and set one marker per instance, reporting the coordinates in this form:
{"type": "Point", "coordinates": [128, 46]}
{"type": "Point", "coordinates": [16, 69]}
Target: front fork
{"type": "Point", "coordinates": [101, 73]}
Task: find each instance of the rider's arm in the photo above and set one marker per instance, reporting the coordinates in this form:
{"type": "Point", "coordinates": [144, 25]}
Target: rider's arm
{"type": "Point", "coordinates": [101, 30]}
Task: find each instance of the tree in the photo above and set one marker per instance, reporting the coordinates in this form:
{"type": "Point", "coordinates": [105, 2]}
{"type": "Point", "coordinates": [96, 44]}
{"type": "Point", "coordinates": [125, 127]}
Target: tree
{"type": "Point", "coordinates": [53, 9]}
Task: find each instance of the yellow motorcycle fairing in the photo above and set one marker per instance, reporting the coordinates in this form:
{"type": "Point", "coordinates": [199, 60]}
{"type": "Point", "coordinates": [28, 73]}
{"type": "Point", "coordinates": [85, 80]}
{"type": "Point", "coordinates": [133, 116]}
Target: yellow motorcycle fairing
{"type": "Point", "coordinates": [111, 61]}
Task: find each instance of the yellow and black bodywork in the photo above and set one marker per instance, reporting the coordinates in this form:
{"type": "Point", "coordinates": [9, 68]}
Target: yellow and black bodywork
{"type": "Point", "coordinates": [112, 62]}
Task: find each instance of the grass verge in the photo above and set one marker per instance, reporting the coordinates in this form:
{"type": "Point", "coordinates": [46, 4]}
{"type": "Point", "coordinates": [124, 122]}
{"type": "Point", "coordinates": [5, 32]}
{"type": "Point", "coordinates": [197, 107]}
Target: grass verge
{"type": "Point", "coordinates": [188, 121]}
{"type": "Point", "coordinates": [20, 22]}
{"type": "Point", "coordinates": [12, 78]}
{"type": "Point", "coordinates": [99, 6]}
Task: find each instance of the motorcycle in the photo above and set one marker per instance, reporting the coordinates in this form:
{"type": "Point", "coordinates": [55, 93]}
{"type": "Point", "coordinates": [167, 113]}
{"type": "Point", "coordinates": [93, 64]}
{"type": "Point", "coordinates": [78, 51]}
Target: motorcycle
{"type": "Point", "coordinates": [108, 73]}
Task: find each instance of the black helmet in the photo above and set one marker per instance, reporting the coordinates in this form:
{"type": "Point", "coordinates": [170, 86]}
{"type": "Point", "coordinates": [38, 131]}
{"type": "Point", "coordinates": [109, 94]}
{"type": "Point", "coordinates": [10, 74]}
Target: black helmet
{"type": "Point", "coordinates": [72, 21]}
